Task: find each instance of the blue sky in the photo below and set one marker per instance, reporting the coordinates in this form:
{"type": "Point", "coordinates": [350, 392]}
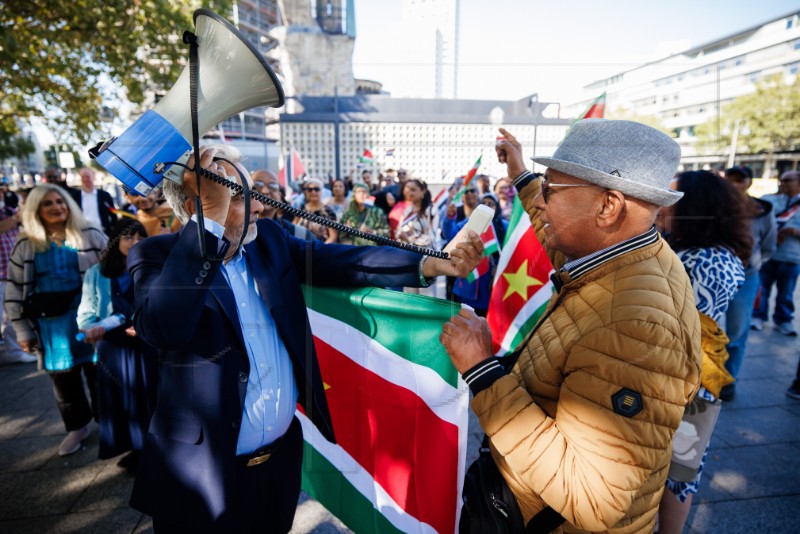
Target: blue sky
{"type": "Point", "coordinates": [512, 48]}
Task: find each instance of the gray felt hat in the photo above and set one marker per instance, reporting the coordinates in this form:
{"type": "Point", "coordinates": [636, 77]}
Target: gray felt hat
{"type": "Point", "coordinates": [637, 160]}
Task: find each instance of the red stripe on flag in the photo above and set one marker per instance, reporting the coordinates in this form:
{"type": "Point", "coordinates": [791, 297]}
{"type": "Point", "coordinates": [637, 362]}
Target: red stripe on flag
{"type": "Point", "coordinates": [394, 435]}
{"type": "Point", "coordinates": [504, 309]}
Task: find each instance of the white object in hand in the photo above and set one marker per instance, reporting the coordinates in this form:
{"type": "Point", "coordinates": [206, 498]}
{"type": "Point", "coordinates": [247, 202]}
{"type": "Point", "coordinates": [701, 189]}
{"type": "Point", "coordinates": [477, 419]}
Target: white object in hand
{"type": "Point", "coordinates": [109, 323]}
{"type": "Point", "coordinates": [478, 222]}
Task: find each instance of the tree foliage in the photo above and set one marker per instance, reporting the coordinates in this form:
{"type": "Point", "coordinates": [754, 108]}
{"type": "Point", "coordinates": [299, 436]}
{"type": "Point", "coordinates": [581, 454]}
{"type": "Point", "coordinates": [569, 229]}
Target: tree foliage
{"type": "Point", "coordinates": [15, 146]}
{"type": "Point", "coordinates": [769, 119]}
{"type": "Point", "coordinates": [64, 61]}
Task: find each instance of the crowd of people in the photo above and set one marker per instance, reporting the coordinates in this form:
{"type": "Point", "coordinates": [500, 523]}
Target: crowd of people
{"type": "Point", "coordinates": [659, 277]}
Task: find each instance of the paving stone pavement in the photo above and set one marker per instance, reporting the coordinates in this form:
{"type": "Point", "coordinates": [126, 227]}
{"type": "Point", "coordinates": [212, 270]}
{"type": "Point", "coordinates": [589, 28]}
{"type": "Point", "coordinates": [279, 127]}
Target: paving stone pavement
{"type": "Point", "coordinates": [751, 483]}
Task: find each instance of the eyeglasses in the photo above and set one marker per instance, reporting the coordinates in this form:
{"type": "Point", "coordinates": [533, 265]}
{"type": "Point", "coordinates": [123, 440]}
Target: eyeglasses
{"type": "Point", "coordinates": [313, 189]}
{"type": "Point", "coordinates": [470, 190]}
{"type": "Point", "coordinates": [547, 189]}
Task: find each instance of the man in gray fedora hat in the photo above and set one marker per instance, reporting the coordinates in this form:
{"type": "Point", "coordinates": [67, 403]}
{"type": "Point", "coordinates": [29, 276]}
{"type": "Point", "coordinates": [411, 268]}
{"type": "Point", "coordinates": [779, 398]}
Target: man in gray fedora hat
{"type": "Point", "coordinates": [582, 426]}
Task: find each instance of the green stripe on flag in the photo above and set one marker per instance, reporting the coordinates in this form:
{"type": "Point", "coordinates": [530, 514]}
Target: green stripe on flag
{"type": "Point", "coordinates": [399, 317]}
{"type": "Point", "coordinates": [328, 485]}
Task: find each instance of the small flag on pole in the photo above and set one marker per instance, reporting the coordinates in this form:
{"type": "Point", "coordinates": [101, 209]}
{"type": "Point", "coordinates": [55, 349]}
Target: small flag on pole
{"type": "Point", "coordinates": [292, 171]}
{"type": "Point", "coordinates": [390, 153]}
{"type": "Point", "coordinates": [490, 246]}
{"type": "Point", "coordinates": [468, 178]}
{"type": "Point", "coordinates": [522, 285]}
{"type": "Point", "coordinates": [366, 157]}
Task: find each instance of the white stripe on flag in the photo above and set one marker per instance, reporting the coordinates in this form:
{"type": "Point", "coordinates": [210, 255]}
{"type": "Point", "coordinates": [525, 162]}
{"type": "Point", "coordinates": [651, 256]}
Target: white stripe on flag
{"type": "Point", "coordinates": [540, 297]}
{"type": "Point", "coordinates": [362, 480]}
{"type": "Point", "coordinates": [440, 396]}
{"type": "Point", "coordinates": [512, 240]}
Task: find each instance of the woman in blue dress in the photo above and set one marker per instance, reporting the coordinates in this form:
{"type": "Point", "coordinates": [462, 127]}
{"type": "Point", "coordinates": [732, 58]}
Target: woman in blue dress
{"type": "Point", "coordinates": [45, 272]}
{"type": "Point", "coordinates": [127, 368]}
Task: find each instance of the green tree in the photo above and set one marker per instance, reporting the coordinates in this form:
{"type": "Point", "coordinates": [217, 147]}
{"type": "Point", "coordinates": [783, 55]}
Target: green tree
{"type": "Point", "coordinates": [15, 146]}
{"type": "Point", "coordinates": [768, 120]}
{"type": "Point", "coordinates": [64, 60]}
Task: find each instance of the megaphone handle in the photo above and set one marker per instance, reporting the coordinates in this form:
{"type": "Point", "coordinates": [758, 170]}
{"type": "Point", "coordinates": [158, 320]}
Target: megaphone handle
{"type": "Point", "coordinates": [295, 212]}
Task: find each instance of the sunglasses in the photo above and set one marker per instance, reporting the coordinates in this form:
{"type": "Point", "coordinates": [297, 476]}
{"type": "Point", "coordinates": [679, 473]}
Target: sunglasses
{"type": "Point", "coordinates": [312, 189]}
{"type": "Point", "coordinates": [470, 190]}
{"type": "Point", "coordinates": [547, 189]}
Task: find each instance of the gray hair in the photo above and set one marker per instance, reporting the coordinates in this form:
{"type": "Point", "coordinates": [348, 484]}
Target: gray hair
{"type": "Point", "coordinates": [175, 193]}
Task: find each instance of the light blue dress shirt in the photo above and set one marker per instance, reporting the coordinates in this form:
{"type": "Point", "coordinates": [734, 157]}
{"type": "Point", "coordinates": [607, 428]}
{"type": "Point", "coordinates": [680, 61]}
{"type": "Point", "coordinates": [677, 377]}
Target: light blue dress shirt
{"type": "Point", "coordinates": [271, 396]}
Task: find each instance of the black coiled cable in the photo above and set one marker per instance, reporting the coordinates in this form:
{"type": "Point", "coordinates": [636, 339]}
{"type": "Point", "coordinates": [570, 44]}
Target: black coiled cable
{"type": "Point", "coordinates": [294, 212]}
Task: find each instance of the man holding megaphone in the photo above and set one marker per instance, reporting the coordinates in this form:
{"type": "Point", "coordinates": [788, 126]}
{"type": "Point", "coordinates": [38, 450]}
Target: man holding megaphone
{"type": "Point", "coordinates": [224, 450]}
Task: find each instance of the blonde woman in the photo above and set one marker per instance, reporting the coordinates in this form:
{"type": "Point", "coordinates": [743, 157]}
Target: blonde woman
{"type": "Point", "coordinates": [43, 292]}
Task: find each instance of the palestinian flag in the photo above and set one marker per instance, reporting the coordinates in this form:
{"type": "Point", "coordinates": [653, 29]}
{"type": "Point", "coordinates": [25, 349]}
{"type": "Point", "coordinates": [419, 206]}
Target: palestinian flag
{"type": "Point", "coordinates": [292, 172]}
{"type": "Point", "coordinates": [522, 285]}
{"type": "Point", "coordinates": [399, 411]}
{"type": "Point", "coordinates": [595, 110]}
{"type": "Point", "coordinates": [366, 157]}
{"type": "Point", "coordinates": [490, 246]}
{"type": "Point", "coordinates": [468, 178]}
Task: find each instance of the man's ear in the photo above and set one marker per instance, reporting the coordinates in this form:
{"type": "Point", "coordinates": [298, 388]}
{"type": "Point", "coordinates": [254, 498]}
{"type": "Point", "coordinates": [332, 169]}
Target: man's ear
{"type": "Point", "coordinates": [611, 209]}
{"type": "Point", "coordinates": [189, 205]}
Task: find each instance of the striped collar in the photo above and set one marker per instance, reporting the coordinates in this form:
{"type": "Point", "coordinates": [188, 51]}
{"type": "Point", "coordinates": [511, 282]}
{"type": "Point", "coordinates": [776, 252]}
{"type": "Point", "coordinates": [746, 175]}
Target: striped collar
{"type": "Point", "coordinates": [577, 268]}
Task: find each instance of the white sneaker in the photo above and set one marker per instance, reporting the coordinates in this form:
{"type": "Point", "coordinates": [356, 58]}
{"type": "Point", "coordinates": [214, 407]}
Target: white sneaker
{"type": "Point", "coordinates": [786, 329]}
{"type": "Point", "coordinates": [757, 324]}
{"type": "Point", "coordinates": [72, 443]}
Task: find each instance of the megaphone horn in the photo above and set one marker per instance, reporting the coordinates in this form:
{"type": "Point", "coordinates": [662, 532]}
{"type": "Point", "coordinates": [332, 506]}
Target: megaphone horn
{"type": "Point", "coordinates": [233, 77]}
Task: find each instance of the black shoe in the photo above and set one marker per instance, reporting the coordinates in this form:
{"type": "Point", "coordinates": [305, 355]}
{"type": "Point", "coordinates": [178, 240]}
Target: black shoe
{"type": "Point", "coordinates": [728, 393]}
{"type": "Point", "coordinates": [130, 462]}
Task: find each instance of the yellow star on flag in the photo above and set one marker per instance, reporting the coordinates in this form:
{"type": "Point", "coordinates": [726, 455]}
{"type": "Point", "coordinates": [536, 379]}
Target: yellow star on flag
{"type": "Point", "coordinates": [520, 281]}
{"type": "Point", "coordinates": [326, 386]}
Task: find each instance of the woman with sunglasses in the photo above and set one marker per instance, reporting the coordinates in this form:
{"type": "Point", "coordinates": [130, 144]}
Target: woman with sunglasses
{"type": "Point", "coordinates": [312, 190]}
{"type": "Point", "coordinates": [45, 276]}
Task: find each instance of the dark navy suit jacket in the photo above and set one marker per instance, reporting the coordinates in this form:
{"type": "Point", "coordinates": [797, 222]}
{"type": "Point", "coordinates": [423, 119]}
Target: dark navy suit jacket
{"type": "Point", "coordinates": [104, 206]}
{"type": "Point", "coordinates": [186, 309]}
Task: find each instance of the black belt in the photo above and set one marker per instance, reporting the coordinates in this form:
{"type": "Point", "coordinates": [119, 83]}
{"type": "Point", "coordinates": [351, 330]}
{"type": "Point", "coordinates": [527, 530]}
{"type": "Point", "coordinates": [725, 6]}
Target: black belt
{"type": "Point", "coordinates": [259, 456]}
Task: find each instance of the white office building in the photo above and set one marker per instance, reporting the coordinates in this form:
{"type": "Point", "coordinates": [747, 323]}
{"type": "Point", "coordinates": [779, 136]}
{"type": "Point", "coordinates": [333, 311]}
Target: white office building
{"type": "Point", "coordinates": [436, 139]}
{"type": "Point", "coordinates": [689, 88]}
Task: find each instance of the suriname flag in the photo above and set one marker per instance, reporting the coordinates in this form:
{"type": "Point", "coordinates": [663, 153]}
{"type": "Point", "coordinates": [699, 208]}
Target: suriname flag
{"type": "Point", "coordinates": [522, 285]}
{"type": "Point", "coordinates": [399, 411]}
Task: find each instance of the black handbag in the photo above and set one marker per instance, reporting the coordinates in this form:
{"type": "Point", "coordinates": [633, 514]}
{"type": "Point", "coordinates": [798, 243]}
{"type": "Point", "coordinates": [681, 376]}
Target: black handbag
{"type": "Point", "coordinates": [49, 304]}
{"type": "Point", "coordinates": [489, 507]}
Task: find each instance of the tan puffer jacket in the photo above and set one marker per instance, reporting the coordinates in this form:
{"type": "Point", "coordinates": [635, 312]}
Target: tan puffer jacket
{"type": "Point", "coordinates": [629, 323]}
